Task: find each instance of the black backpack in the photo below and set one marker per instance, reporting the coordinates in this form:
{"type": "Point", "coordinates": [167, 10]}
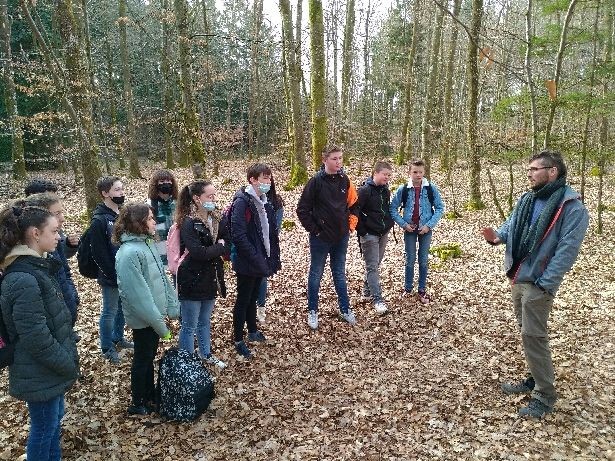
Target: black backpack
{"type": "Point", "coordinates": [85, 258]}
{"type": "Point", "coordinates": [7, 348]}
{"type": "Point", "coordinates": [404, 197]}
{"type": "Point", "coordinates": [185, 387]}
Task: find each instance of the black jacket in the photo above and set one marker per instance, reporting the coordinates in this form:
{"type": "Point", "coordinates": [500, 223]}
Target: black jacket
{"type": "Point", "coordinates": [323, 206]}
{"type": "Point", "coordinates": [103, 250]}
{"type": "Point", "coordinates": [46, 362]}
{"type": "Point", "coordinates": [249, 253]}
{"type": "Point", "coordinates": [203, 269]}
{"type": "Point", "coordinates": [374, 214]}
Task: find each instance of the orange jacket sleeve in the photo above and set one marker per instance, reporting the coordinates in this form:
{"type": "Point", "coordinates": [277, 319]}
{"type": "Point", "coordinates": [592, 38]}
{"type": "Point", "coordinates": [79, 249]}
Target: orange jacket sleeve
{"type": "Point", "coordinates": [352, 200]}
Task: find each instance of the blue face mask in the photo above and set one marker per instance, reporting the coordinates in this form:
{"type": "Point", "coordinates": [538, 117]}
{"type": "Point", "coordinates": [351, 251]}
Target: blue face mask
{"type": "Point", "coordinates": [264, 188]}
{"type": "Point", "coordinates": [209, 206]}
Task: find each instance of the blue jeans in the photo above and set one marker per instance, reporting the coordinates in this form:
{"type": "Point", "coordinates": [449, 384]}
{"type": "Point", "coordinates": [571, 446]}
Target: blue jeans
{"type": "Point", "coordinates": [196, 319]}
{"type": "Point", "coordinates": [45, 426]}
{"type": "Point", "coordinates": [319, 249]}
{"type": "Point", "coordinates": [262, 293]}
{"type": "Point", "coordinates": [111, 324]}
{"type": "Point", "coordinates": [410, 239]}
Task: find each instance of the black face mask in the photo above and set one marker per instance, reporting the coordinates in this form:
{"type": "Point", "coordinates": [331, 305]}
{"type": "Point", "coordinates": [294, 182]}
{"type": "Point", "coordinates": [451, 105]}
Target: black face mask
{"type": "Point", "coordinates": [118, 200]}
{"type": "Point", "coordinates": [165, 188]}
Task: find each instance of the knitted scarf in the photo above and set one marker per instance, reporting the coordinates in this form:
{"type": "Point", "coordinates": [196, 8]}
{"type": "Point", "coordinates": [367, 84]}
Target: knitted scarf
{"type": "Point", "coordinates": [526, 236]}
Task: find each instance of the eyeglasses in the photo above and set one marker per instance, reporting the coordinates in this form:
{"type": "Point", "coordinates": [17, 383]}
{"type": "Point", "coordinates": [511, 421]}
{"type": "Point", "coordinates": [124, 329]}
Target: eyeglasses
{"type": "Point", "coordinates": [533, 169]}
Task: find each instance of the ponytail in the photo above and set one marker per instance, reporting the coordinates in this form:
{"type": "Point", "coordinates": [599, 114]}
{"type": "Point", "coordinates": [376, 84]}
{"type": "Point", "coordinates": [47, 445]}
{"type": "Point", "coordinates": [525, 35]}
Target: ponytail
{"type": "Point", "coordinates": [184, 202]}
{"type": "Point", "coordinates": [15, 220]}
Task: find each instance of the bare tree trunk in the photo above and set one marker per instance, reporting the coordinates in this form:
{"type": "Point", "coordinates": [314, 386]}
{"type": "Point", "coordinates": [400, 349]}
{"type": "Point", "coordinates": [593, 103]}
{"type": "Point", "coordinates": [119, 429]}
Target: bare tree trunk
{"type": "Point", "coordinates": [209, 88]}
{"type": "Point", "coordinates": [448, 92]}
{"type": "Point", "coordinates": [194, 149]}
{"type": "Point", "coordinates": [79, 106]}
{"type": "Point", "coordinates": [430, 106]}
{"type": "Point", "coordinates": [604, 152]}
{"type": "Point", "coordinates": [592, 80]}
{"type": "Point", "coordinates": [317, 82]}
{"type": "Point", "coordinates": [366, 73]}
{"type": "Point", "coordinates": [115, 131]}
{"type": "Point", "coordinates": [528, 73]}
{"type": "Point", "coordinates": [347, 61]}
{"type": "Point", "coordinates": [403, 146]}
{"type": "Point", "coordinates": [254, 83]}
{"type": "Point", "coordinates": [133, 161]}
{"type": "Point", "coordinates": [494, 194]}
{"type": "Point", "coordinates": [10, 96]}
{"type": "Point", "coordinates": [299, 166]}
{"type": "Point", "coordinates": [167, 95]}
{"type": "Point", "coordinates": [558, 70]}
{"type": "Point", "coordinates": [475, 201]}
{"type": "Point", "coordinates": [299, 45]}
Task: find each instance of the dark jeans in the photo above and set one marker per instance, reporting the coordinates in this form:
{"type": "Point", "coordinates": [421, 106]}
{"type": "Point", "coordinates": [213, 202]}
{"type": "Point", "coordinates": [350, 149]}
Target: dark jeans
{"type": "Point", "coordinates": [142, 371]}
{"type": "Point", "coordinates": [44, 438]}
{"type": "Point", "coordinates": [245, 305]}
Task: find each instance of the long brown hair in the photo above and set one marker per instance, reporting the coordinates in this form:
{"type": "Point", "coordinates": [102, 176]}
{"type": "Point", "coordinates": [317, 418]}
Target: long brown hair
{"type": "Point", "coordinates": [184, 203]}
{"type": "Point", "coordinates": [132, 220]}
{"type": "Point", "coordinates": [161, 175]}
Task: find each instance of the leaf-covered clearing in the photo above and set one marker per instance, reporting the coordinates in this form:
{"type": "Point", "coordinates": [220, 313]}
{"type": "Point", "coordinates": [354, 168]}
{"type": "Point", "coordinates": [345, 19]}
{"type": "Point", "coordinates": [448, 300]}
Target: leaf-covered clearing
{"type": "Point", "coordinates": [421, 382]}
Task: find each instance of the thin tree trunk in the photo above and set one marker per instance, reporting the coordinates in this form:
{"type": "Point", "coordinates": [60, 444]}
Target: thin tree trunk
{"type": "Point", "coordinates": [254, 81]}
{"type": "Point", "coordinates": [475, 201]}
{"type": "Point", "coordinates": [430, 106]}
{"type": "Point", "coordinates": [194, 150]}
{"type": "Point", "coordinates": [366, 74]}
{"type": "Point", "coordinates": [528, 73]}
{"type": "Point", "coordinates": [115, 131]}
{"type": "Point", "coordinates": [10, 95]}
{"type": "Point", "coordinates": [604, 121]}
{"type": "Point", "coordinates": [209, 88]}
{"type": "Point", "coordinates": [404, 146]}
{"type": "Point", "coordinates": [494, 195]}
{"type": "Point", "coordinates": [133, 161]}
{"type": "Point", "coordinates": [299, 166]}
{"type": "Point", "coordinates": [592, 80]}
{"type": "Point", "coordinates": [317, 82]}
{"type": "Point", "coordinates": [299, 45]}
{"type": "Point", "coordinates": [167, 95]}
{"type": "Point", "coordinates": [558, 70]}
{"type": "Point", "coordinates": [347, 62]}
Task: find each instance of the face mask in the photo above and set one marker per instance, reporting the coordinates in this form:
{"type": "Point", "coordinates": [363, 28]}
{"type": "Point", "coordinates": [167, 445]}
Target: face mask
{"type": "Point", "coordinates": [209, 206]}
{"type": "Point", "coordinates": [264, 188]}
{"type": "Point", "coordinates": [165, 188]}
{"type": "Point", "coordinates": [118, 200]}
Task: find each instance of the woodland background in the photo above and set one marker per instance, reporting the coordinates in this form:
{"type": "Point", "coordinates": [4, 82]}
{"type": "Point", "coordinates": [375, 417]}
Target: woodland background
{"type": "Point", "coordinates": [206, 88]}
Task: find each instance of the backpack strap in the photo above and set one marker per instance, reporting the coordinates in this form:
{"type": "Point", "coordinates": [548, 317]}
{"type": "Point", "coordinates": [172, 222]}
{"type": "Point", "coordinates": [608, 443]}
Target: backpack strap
{"type": "Point", "coordinates": [404, 196]}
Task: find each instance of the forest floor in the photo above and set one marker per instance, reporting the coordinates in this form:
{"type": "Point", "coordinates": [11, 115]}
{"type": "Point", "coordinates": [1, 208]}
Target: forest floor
{"type": "Point", "coordinates": [421, 382]}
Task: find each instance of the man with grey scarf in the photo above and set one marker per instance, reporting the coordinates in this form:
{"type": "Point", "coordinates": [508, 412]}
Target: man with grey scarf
{"type": "Point", "coordinates": [543, 236]}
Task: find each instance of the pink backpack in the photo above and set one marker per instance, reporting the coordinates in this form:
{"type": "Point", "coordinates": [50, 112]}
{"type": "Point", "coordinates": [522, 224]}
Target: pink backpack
{"type": "Point", "coordinates": [174, 254]}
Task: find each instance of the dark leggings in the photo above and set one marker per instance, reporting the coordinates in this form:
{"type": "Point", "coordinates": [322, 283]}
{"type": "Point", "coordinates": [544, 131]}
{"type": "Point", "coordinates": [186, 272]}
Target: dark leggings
{"type": "Point", "coordinates": [142, 371]}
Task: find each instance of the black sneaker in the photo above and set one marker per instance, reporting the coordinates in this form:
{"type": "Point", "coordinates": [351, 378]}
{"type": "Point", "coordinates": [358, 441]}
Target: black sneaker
{"type": "Point", "coordinates": [243, 350]}
{"type": "Point", "coordinates": [524, 387]}
{"type": "Point", "coordinates": [535, 409]}
{"type": "Point", "coordinates": [256, 337]}
{"type": "Point", "coordinates": [123, 344]}
{"type": "Point", "coordinates": [138, 410]}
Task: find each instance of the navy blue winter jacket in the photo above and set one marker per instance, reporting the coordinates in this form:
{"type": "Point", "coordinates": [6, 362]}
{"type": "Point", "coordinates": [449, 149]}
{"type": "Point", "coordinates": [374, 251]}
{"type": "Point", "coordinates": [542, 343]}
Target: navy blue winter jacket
{"type": "Point", "coordinates": [246, 234]}
{"type": "Point", "coordinates": [65, 279]}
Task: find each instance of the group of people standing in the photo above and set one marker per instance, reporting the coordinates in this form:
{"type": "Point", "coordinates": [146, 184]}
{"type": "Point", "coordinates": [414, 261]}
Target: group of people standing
{"type": "Point", "coordinates": [132, 246]}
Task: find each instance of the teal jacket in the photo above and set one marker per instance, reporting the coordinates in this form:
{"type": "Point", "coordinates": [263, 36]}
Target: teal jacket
{"type": "Point", "coordinates": [554, 256]}
{"type": "Point", "coordinates": [146, 292]}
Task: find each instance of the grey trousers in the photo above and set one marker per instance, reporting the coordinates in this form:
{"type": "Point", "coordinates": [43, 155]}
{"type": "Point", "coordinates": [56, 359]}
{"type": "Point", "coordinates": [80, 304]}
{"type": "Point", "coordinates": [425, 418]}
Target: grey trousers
{"type": "Point", "coordinates": [373, 248]}
{"type": "Point", "coordinates": [532, 308]}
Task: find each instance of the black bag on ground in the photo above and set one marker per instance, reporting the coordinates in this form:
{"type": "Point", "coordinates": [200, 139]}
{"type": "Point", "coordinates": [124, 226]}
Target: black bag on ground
{"type": "Point", "coordinates": [185, 387]}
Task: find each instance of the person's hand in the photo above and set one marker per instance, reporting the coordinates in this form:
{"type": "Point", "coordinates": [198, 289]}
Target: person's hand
{"type": "Point", "coordinates": [168, 337]}
{"type": "Point", "coordinates": [221, 241]}
{"type": "Point", "coordinates": [410, 227]}
{"type": "Point", "coordinates": [423, 230]}
{"type": "Point", "coordinates": [73, 240]}
{"type": "Point", "coordinates": [491, 235]}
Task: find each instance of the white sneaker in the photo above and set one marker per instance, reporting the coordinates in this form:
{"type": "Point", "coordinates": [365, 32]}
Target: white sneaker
{"type": "Point", "coordinates": [312, 319]}
{"type": "Point", "coordinates": [213, 360]}
{"type": "Point", "coordinates": [380, 307]}
{"type": "Point", "coordinates": [260, 314]}
{"type": "Point", "coordinates": [349, 317]}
